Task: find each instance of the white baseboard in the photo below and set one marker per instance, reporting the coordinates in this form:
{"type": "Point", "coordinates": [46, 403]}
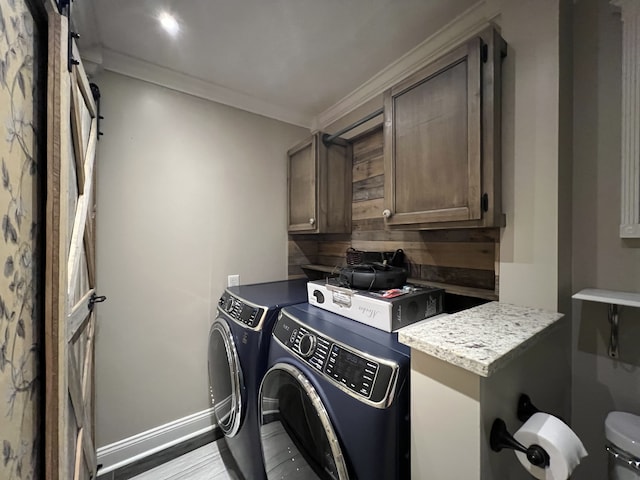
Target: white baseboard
{"type": "Point", "coordinates": [129, 450]}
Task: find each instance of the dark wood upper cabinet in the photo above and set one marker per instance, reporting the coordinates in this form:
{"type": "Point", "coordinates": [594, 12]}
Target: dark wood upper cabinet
{"type": "Point", "coordinates": [442, 141]}
{"type": "Point", "coordinates": [319, 187]}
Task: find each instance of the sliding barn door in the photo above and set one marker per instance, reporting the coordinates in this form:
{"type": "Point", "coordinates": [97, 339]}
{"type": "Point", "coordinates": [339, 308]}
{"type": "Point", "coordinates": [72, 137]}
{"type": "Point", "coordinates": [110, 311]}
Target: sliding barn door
{"type": "Point", "coordinates": [70, 282]}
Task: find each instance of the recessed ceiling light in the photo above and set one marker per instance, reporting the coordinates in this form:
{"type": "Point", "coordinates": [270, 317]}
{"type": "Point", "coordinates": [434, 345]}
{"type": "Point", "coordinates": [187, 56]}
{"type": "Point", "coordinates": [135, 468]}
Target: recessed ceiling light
{"type": "Point", "coordinates": [169, 23]}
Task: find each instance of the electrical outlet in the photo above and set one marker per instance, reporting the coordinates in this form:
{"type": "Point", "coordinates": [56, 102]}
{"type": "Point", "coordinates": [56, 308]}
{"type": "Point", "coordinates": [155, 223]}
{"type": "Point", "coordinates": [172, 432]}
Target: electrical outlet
{"type": "Point", "coordinates": [233, 280]}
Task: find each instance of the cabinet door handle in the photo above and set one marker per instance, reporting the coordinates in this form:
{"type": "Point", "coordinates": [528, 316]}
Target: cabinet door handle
{"type": "Point", "coordinates": [386, 213]}
{"type": "Point", "coordinates": [312, 221]}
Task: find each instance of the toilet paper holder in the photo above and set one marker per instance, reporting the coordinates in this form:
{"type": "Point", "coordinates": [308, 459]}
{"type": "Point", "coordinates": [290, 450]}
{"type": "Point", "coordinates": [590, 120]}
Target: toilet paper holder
{"type": "Point", "coordinates": [500, 438]}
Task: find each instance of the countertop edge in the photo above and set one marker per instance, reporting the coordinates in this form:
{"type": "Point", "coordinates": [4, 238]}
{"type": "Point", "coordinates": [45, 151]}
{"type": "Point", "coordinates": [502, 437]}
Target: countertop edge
{"type": "Point", "coordinates": [420, 342]}
{"type": "Point", "coordinates": [525, 345]}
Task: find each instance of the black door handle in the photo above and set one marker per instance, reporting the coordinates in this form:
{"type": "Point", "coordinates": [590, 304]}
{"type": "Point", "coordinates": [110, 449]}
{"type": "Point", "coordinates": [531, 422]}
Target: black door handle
{"type": "Point", "coordinates": [95, 299]}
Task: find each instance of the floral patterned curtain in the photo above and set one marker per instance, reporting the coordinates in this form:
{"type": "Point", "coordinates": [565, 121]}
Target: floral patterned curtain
{"type": "Point", "coordinates": [21, 203]}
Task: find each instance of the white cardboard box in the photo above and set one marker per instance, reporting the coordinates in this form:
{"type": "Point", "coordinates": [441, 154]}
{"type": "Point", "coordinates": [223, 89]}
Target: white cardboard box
{"type": "Point", "coordinates": [370, 308]}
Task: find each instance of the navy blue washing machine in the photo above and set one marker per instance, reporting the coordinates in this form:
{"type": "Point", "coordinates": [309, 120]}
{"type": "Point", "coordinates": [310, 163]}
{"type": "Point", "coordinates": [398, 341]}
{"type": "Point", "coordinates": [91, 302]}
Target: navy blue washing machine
{"type": "Point", "coordinates": [334, 403]}
{"type": "Point", "coordinates": [238, 345]}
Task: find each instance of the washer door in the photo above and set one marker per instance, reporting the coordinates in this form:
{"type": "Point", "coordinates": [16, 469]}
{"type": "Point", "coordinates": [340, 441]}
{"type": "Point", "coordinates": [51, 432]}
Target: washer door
{"type": "Point", "coordinates": [298, 440]}
{"type": "Point", "coordinates": [225, 378]}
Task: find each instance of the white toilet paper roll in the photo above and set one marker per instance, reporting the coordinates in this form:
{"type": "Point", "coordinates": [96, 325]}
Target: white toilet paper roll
{"type": "Point", "coordinates": [563, 446]}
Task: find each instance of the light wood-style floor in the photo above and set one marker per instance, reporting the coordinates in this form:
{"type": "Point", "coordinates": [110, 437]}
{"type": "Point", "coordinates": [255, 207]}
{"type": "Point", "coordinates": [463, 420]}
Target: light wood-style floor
{"type": "Point", "coordinates": [204, 463]}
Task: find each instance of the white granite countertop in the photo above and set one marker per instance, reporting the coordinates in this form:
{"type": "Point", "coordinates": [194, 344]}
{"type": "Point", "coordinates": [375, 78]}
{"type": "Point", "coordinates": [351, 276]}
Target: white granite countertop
{"type": "Point", "coordinates": [481, 339]}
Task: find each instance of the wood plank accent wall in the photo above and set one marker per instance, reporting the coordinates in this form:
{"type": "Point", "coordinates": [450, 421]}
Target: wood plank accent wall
{"type": "Point", "coordinates": [464, 261]}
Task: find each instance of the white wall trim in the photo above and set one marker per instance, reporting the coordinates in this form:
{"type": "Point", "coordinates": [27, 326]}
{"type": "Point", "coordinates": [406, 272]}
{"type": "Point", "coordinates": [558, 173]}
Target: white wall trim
{"type": "Point", "coordinates": [143, 444]}
{"type": "Point", "coordinates": [460, 29]}
{"type": "Point", "coordinates": [630, 137]}
{"type": "Point", "coordinates": [136, 68]}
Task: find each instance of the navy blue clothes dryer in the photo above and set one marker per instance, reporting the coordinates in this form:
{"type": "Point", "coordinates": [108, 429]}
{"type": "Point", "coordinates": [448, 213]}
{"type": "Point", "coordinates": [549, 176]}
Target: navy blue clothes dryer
{"type": "Point", "coordinates": [334, 403]}
{"type": "Point", "coordinates": [238, 347]}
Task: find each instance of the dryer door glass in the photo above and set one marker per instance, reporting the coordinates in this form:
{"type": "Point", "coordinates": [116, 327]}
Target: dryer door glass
{"type": "Point", "coordinates": [225, 378]}
{"type": "Point", "coordinates": [298, 440]}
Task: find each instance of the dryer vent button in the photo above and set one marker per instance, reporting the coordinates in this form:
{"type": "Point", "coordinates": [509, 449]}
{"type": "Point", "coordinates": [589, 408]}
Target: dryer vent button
{"type": "Point", "coordinates": [319, 296]}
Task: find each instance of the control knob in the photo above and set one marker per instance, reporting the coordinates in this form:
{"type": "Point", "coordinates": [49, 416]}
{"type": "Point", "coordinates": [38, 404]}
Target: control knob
{"type": "Point", "coordinates": [228, 306]}
{"type": "Point", "coordinates": [307, 345]}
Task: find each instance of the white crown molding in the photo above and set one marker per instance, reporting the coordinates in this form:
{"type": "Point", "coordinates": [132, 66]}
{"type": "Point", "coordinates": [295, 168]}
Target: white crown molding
{"type": "Point", "coordinates": [455, 32]}
{"type": "Point", "coordinates": [132, 67]}
{"type": "Point", "coordinates": [470, 22]}
{"type": "Point", "coordinates": [143, 444]}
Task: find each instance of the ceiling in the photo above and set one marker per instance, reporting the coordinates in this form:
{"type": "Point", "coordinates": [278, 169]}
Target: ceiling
{"type": "Point", "coordinates": [297, 57]}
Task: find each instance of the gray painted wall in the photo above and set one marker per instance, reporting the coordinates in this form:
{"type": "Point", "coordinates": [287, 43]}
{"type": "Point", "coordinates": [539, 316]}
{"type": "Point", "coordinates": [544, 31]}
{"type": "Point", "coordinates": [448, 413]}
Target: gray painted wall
{"type": "Point", "coordinates": [189, 191]}
{"type": "Point", "coordinates": [157, 139]}
{"type": "Point", "coordinates": [600, 258]}
{"type": "Point", "coordinates": [530, 148]}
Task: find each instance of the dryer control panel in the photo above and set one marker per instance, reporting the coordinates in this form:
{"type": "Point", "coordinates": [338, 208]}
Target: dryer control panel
{"type": "Point", "coordinates": [240, 311]}
{"type": "Point", "coordinates": [362, 375]}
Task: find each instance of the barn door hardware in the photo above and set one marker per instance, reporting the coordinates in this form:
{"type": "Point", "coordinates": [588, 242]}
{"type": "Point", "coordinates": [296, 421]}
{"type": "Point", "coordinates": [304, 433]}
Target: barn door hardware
{"type": "Point", "coordinates": [64, 7]}
{"type": "Point", "coordinates": [95, 91]}
{"type": "Point", "coordinates": [72, 61]}
{"type": "Point", "coordinates": [95, 299]}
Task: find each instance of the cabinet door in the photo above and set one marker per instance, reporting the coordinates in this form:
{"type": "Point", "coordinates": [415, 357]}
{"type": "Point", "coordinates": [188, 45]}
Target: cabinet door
{"type": "Point", "coordinates": [302, 186]}
{"type": "Point", "coordinates": [433, 142]}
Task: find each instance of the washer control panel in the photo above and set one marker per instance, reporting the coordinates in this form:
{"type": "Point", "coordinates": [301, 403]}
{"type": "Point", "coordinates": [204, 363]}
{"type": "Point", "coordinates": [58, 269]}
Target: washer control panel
{"type": "Point", "coordinates": [240, 311]}
{"type": "Point", "coordinates": [352, 370]}
{"type": "Point", "coordinates": [311, 347]}
{"type": "Point", "coordinates": [363, 375]}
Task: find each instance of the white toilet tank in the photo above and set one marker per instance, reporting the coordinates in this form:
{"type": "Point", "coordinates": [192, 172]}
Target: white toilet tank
{"type": "Point", "coordinates": [623, 445]}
